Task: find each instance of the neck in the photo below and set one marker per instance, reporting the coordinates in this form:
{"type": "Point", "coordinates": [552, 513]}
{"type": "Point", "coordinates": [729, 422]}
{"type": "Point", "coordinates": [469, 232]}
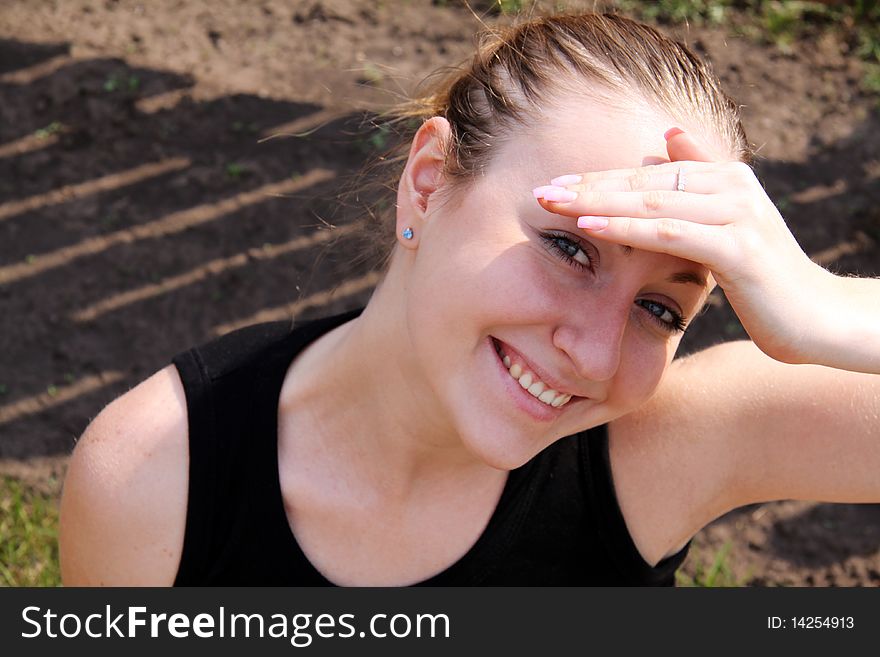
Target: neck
{"type": "Point", "coordinates": [371, 406]}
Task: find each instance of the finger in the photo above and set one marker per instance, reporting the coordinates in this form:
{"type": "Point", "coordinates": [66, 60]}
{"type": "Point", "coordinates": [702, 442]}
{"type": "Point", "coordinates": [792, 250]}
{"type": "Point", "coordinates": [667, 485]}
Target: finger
{"type": "Point", "coordinates": [652, 204]}
{"type": "Point", "coordinates": [681, 146]}
{"type": "Point", "coordinates": [654, 176]}
{"type": "Point", "coordinates": [682, 239]}
{"type": "Point", "coordinates": [697, 180]}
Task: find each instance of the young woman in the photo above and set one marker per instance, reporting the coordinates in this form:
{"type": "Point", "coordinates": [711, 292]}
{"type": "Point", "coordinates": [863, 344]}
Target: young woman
{"type": "Point", "coordinates": [506, 410]}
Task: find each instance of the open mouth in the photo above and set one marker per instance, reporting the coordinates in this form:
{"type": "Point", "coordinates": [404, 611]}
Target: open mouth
{"type": "Point", "coordinates": [530, 382]}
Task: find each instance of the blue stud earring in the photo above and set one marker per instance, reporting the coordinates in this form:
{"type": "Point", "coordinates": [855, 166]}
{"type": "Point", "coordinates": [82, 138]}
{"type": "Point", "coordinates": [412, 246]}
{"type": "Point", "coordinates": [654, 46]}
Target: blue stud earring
{"type": "Point", "coordinates": [407, 233]}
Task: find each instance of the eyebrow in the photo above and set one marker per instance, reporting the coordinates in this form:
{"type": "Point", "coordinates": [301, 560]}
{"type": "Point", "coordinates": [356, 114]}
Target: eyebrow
{"type": "Point", "coordinates": [690, 277]}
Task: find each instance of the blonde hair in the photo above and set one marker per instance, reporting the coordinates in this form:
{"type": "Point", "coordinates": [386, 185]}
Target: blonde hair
{"type": "Point", "coordinates": [508, 78]}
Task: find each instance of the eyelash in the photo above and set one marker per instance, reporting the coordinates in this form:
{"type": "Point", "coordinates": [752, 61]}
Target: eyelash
{"type": "Point", "coordinates": [552, 240]}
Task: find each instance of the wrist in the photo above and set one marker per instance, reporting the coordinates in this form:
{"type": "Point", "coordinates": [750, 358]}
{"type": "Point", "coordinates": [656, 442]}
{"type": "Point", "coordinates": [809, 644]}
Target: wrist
{"type": "Point", "coordinates": [849, 336]}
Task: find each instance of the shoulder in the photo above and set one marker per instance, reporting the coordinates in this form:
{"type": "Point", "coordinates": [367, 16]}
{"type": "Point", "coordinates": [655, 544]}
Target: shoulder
{"type": "Point", "coordinates": [123, 508]}
{"type": "Point", "coordinates": [228, 353]}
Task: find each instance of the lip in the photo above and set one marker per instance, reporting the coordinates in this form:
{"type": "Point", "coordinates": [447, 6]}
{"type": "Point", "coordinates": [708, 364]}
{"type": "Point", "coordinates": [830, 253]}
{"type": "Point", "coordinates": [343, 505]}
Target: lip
{"type": "Point", "coordinates": [542, 375]}
{"type": "Point", "coordinates": [537, 410]}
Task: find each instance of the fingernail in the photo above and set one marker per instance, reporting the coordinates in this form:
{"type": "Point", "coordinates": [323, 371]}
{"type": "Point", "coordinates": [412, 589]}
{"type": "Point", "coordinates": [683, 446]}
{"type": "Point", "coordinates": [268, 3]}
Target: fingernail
{"type": "Point", "coordinates": [567, 179]}
{"type": "Point", "coordinates": [592, 223]}
{"type": "Point", "coordinates": [539, 191]}
{"type": "Point", "coordinates": [559, 195]}
{"type": "Point", "coordinates": [669, 134]}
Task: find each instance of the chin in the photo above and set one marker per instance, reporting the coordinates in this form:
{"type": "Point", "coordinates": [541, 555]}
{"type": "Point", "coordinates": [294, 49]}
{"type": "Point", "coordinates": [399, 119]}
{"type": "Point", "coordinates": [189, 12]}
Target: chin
{"type": "Point", "coordinates": [506, 452]}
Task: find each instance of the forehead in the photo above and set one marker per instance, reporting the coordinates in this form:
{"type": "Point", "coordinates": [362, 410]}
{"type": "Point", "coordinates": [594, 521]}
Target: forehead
{"type": "Point", "coordinates": [580, 135]}
{"type": "Point", "coordinates": [574, 134]}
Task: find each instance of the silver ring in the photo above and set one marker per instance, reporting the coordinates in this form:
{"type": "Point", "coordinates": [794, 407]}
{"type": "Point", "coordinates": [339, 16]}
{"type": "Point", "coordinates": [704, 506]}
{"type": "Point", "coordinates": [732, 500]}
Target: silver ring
{"type": "Point", "coordinates": [679, 181]}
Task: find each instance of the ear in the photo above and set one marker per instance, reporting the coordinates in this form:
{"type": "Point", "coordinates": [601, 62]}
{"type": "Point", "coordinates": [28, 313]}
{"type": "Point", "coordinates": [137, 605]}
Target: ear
{"type": "Point", "coordinates": [421, 177]}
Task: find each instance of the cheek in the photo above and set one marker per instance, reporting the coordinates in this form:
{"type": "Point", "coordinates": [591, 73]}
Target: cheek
{"type": "Point", "coordinates": [450, 300]}
{"type": "Point", "coordinates": [491, 276]}
{"type": "Point", "coordinates": [643, 362]}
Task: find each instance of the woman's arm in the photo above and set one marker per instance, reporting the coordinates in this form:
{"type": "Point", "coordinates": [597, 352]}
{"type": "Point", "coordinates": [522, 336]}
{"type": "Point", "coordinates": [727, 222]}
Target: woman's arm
{"type": "Point", "coordinates": [803, 432]}
{"type": "Point", "coordinates": [849, 335]}
{"type": "Point", "coordinates": [123, 507]}
{"type": "Point", "coordinates": [730, 426]}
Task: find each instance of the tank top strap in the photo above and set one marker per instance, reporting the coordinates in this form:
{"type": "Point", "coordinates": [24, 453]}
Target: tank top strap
{"type": "Point", "coordinates": [215, 428]}
{"type": "Point", "coordinates": [202, 485]}
{"type": "Point", "coordinates": [232, 384]}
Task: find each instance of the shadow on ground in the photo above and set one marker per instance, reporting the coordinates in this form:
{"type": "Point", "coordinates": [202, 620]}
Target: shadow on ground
{"type": "Point", "coordinates": [136, 221]}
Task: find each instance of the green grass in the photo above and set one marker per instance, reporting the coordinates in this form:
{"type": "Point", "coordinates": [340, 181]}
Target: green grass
{"type": "Point", "coordinates": [871, 80]}
{"type": "Point", "coordinates": [52, 129]}
{"type": "Point", "coordinates": [697, 12]}
{"type": "Point", "coordinates": [718, 573]}
{"type": "Point", "coordinates": [28, 536]}
{"type": "Point", "coordinates": [120, 82]}
{"type": "Point", "coordinates": [236, 171]}
{"type": "Point", "coordinates": [375, 141]}
{"type": "Point", "coordinates": [372, 74]}
{"type": "Point", "coordinates": [511, 6]}
{"type": "Point", "coordinates": [780, 22]}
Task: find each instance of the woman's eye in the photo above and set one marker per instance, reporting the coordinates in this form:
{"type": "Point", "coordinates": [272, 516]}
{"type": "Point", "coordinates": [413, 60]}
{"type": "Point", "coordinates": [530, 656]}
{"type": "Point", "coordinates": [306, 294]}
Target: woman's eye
{"type": "Point", "coordinates": [665, 317]}
{"type": "Point", "coordinates": [568, 250]}
{"type": "Point", "coordinates": [573, 253]}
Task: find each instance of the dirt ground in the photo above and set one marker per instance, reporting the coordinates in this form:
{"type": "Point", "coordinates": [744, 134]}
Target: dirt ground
{"type": "Point", "coordinates": [140, 212]}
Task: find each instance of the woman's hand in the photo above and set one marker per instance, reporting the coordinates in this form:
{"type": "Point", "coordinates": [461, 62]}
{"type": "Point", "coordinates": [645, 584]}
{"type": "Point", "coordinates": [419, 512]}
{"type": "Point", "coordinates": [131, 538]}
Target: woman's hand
{"type": "Point", "coordinates": [717, 214]}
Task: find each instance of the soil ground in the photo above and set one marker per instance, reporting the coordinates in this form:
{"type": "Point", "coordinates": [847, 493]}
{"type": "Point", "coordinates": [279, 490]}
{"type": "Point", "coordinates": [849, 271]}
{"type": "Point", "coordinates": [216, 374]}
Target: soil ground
{"type": "Point", "coordinates": [140, 212]}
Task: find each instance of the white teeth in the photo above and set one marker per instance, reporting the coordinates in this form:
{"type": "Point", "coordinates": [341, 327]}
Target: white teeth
{"type": "Point", "coordinates": [547, 396]}
{"type": "Point", "coordinates": [560, 400]}
{"type": "Point", "coordinates": [532, 385]}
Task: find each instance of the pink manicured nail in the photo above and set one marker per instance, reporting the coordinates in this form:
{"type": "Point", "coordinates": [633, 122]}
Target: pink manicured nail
{"type": "Point", "coordinates": [592, 223]}
{"type": "Point", "coordinates": [559, 195]}
{"type": "Point", "coordinates": [539, 191]}
{"type": "Point", "coordinates": [567, 179]}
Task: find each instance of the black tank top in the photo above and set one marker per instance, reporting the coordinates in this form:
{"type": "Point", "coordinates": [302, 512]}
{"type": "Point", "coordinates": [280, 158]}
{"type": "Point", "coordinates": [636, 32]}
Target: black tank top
{"type": "Point", "coordinates": [557, 522]}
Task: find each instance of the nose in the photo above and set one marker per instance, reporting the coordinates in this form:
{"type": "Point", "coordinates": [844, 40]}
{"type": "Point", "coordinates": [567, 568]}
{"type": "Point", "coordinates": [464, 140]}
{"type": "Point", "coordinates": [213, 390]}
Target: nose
{"type": "Point", "coordinates": [592, 339]}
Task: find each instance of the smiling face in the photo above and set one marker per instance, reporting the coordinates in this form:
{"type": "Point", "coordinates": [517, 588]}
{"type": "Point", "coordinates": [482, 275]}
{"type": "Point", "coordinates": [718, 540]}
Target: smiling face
{"type": "Point", "coordinates": [502, 295]}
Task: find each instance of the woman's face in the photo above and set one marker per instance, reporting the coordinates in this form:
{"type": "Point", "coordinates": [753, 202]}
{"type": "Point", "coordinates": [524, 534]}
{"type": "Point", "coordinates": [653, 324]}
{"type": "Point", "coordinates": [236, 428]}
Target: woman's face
{"type": "Point", "coordinates": [494, 272]}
